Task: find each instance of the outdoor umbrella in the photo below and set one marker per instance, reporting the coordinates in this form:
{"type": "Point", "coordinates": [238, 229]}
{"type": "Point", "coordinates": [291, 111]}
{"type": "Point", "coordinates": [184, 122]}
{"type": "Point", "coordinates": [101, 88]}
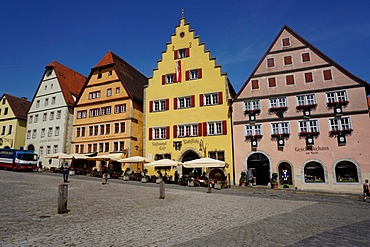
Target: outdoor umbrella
{"type": "Point", "coordinates": [134, 159]}
{"type": "Point", "coordinates": [163, 162]}
{"type": "Point", "coordinates": [204, 163]}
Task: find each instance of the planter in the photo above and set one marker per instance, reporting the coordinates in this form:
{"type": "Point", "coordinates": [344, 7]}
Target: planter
{"type": "Point", "coordinates": [126, 178]}
{"type": "Point", "coordinates": [191, 183]}
{"type": "Point", "coordinates": [218, 186]}
{"type": "Point", "coordinates": [242, 184]}
{"type": "Point", "coordinates": [274, 185]}
{"type": "Point", "coordinates": [144, 179]}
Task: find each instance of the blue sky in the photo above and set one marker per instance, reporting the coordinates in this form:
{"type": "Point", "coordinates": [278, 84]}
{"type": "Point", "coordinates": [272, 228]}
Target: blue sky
{"type": "Point", "coordinates": [237, 32]}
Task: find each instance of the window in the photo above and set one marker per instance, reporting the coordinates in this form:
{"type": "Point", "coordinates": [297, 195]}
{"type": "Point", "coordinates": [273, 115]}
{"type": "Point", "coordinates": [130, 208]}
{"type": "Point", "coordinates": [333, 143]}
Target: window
{"type": "Point", "coordinates": [55, 149]}
{"type": "Point", "coordinates": [53, 100]}
{"type": "Point", "coordinates": [181, 53]}
{"type": "Point", "coordinates": [215, 128]}
{"type": "Point", "coordinates": [77, 149]}
{"type": "Point", "coordinates": [336, 97]}
{"type": "Point", "coordinates": [10, 129]}
{"type": "Point", "coordinates": [50, 132]}
{"type": "Point", "coordinates": [211, 99]}
{"type": "Point", "coordinates": [270, 62]}
{"type": "Point", "coordinates": [101, 147]}
{"type": "Point", "coordinates": [41, 150]}
{"type": "Point", "coordinates": [96, 130]}
{"type": "Point", "coordinates": [105, 110]}
{"type": "Point", "coordinates": [115, 146]}
{"type": "Point", "coordinates": [46, 87]}
{"type": "Point", "coordinates": [52, 115]}
{"type": "Point", "coordinates": [278, 102]}
{"type": "Point", "coordinates": [118, 146]}
{"type": "Point", "coordinates": [42, 133]}
{"type": "Point", "coordinates": [117, 90]}
{"type": "Point", "coordinates": [28, 134]}
{"type": "Point", "coordinates": [109, 92]}
{"type": "Point", "coordinates": [110, 72]}
{"type": "Point", "coordinates": [94, 112]}
{"type": "Point", "coordinates": [253, 130]}
{"type": "Point", "coordinates": [107, 129]}
{"type": "Point", "coordinates": [4, 101]}
{"type": "Point", "coordinates": [187, 130]}
{"type": "Point", "coordinates": [346, 172]}
{"type": "Point", "coordinates": [251, 105]}
{"type": "Point", "coordinates": [89, 148]}
{"type": "Point", "coordinates": [99, 75]}
{"type": "Point", "coordinates": [159, 133]}
{"type": "Point", "coordinates": [83, 131]}
{"type": "Point", "coordinates": [306, 100]}
{"type": "Point", "coordinates": [306, 57]}
{"type": "Point", "coordinates": [46, 102]}
{"type": "Point", "coordinates": [272, 82]}
{"type": "Point", "coordinates": [340, 124]}
{"type": "Point", "coordinates": [95, 147]}
{"type": "Point", "coordinates": [106, 145]}
{"type": "Point", "coordinates": [217, 155]}
{"type": "Point", "coordinates": [255, 84]}
{"type": "Point", "coordinates": [184, 102]}
{"type": "Point", "coordinates": [44, 117]}
{"type": "Point", "coordinates": [3, 130]}
{"type": "Point", "coordinates": [119, 108]}
{"type": "Point", "coordinates": [308, 126]}
{"type": "Point", "coordinates": [194, 74]}
{"type": "Point", "coordinates": [288, 60]}
{"type": "Point", "coordinates": [30, 119]}
{"type": "Point", "coordinates": [56, 131]}
{"type": "Point", "coordinates": [82, 148]}
{"type": "Point", "coordinates": [170, 78]}
{"type": "Point", "coordinates": [314, 173]}
{"type": "Point", "coordinates": [282, 128]}
{"type": "Point", "coordinates": [91, 130]}
{"type": "Point", "coordinates": [94, 95]}
{"type": "Point", "coordinates": [6, 111]}
{"type": "Point", "coordinates": [121, 145]}
{"type": "Point", "coordinates": [289, 79]}
{"type": "Point", "coordinates": [37, 103]}
{"type": "Point", "coordinates": [308, 77]}
{"type": "Point", "coordinates": [119, 127]}
{"type": "Point", "coordinates": [327, 75]}
{"type": "Point", "coordinates": [102, 130]}
{"type": "Point", "coordinates": [59, 113]}
{"type": "Point", "coordinates": [36, 118]}
{"type": "Point", "coordinates": [78, 132]}
{"type": "Point", "coordinates": [81, 114]}
{"type": "Point", "coordinates": [34, 132]}
{"type": "Point", "coordinates": [51, 86]}
{"type": "Point", "coordinates": [286, 42]}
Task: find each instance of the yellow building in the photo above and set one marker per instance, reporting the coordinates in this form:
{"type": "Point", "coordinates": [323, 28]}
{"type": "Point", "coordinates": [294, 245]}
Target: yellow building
{"type": "Point", "coordinates": [13, 121]}
{"type": "Point", "coordinates": [108, 115]}
{"type": "Point", "coordinates": [187, 105]}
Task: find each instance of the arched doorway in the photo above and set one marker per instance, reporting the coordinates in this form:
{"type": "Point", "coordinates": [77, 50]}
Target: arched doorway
{"type": "Point", "coordinates": [188, 156]}
{"type": "Point", "coordinates": [31, 147]}
{"type": "Point", "coordinates": [285, 173]}
{"type": "Point", "coordinates": [259, 164]}
{"type": "Point", "coordinates": [346, 172]}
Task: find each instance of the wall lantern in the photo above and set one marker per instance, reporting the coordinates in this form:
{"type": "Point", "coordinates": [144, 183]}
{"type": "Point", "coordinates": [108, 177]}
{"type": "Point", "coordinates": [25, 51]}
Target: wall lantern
{"type": "Point", "coordinates": [177, 145]}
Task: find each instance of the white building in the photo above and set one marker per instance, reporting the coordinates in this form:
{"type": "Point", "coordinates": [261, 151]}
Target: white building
{"type": "Point", "coordinates": [50, 117]}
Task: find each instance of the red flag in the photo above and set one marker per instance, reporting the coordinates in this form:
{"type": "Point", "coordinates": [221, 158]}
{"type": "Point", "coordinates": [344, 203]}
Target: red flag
{"type": "Point", "coordinates": [178, 71]}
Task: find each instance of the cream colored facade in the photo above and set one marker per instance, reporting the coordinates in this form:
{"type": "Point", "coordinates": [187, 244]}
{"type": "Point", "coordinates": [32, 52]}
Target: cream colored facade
{"type": "Point", "coordinates": [188, 119]}
{"type": "Point", "coordinates": [107, 118]}
{"type": "Point", "coordinates": [296, 77]}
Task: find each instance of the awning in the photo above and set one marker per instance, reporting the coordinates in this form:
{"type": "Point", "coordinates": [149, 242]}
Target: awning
{"type": "Point", "coordinates": [134, 159]}
{"type": "Point", "coordinates": [163, 162]}
{"type": "Point", "coordinates": [204, 163]}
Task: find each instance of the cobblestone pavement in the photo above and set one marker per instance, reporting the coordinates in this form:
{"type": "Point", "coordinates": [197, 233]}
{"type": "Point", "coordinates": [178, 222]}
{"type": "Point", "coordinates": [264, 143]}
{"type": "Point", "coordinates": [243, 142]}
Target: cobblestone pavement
{"type": "Point", "coordinates": [128, 213]}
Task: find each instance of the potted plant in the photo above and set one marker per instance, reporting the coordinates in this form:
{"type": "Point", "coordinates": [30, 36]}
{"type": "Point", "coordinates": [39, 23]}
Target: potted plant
{"type": "Point", "coordinates": [274, 182]}
{"type": "Point", "coordinates": [144, 177]}
{"type": "Point", "coordinates": [243, 178]}
{"type": "Point", "coordinates": [191, 179]}
{"type": "Point", "coordinates": [159, 177]}
{"type": "Point", "coordinates": [126, 176]}
{"type": "Point", "coordinates": [218, 183]}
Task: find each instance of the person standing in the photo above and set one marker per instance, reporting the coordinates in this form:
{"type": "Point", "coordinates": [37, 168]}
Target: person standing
{"type": "Point", "coordinates": [365, 187]}
{"type": "Point", "coordinates": [105, 172]}
{"type": "Point", "coordinates": [65, 172]}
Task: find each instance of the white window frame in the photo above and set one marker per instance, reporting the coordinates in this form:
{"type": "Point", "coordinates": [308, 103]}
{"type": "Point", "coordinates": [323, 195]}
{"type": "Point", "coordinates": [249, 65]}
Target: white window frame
{"type": "Point", "coordinates": [307, 99]}
{"type": "Point", "coordinates": [214, 128]}
{"type": "Point", "coordinates": [184, 102]}
{"type": "Point", "coordinates": [336, 96]}
{"type": "Point", "coordinates": [42, 132]}
{"type": "Point", "coordinates": [170, 78]}
{"type": "Point", "coordinates": [119, 108]}
{"type": "Point", "coordinates": [59, 114]}
{"type": "Point", "coordinates": [159, 133]}
{"type": "Point", "coordinates": [109, 92]}
{"type": "Point", "coordinates": [250, 105]}
{"type": "Point", "coordinates": [50, 132]}
{"type": "Point", "coordinates": [181, 53]}
{"type": "Point", "coordinates": [211, 99]}
{"type": "Point", "coordinates": [159, 105]}
{"type": "Point", "coordinates": [309, 126]}
{"type": "Point", "coordinates": [253, 129]}
{"type": "Point", "coordinates": [340, 124]}
{"type": "Point", "coordinates": [280, 128]}
{"type": "Point", "coordinates": [278, 102]}
{"type": "Point", "coordinates": [186, 130]}
{"type": "Point", "coordinates": [193, 74]}
{"type": "Point", "coordinates": [57, 129]}
{"type": "Point", "coordinates": [51, 117]}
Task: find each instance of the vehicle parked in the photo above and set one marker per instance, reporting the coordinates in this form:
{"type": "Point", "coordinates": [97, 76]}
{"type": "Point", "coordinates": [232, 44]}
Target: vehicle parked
{"type": "Point", "coordinates": [18, 160]}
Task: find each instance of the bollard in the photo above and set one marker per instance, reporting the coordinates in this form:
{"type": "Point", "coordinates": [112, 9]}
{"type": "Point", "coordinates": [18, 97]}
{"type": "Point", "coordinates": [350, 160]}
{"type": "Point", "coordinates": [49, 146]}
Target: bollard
{"type": "Point", "coordinates": [161, 190]}
{"type": "Point", "coordinates": [62, 198]}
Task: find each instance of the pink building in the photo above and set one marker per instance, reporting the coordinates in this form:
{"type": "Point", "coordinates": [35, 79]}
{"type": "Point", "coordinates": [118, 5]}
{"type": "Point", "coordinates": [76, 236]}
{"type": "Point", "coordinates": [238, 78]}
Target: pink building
{"type": "Point", "coordinates": [303, 116]}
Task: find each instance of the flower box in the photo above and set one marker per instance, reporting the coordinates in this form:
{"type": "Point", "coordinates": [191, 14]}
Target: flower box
{"type": "Point", "coordinates": [280, 108]}
{"type": "Point", "coordinates": [337, 132]}
{"type": "Point", "coordinates": [255, 111]}
{"type": "Point", "coordinates": [342, 103]}
{"type": "Point", "coordinates": [280, 135]}
{"type": "Point", "coordinates": [308, 133]}
{"type": "Point", "coordinates": [302, 107]}
{"type": "Point", "coordinates": [253, 136]}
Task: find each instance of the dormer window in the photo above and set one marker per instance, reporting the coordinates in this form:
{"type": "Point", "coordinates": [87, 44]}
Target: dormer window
{"type": "Point", "coordinates": [99, 75]}
{"type": "Point", "coordinates": [286, 42]}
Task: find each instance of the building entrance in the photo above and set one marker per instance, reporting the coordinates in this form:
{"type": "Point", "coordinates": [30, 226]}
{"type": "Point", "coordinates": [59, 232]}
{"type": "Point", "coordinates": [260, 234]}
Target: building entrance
{"type": "Point", "coordinates": [259, 164]}
{"type": "Point", "coordinates": [190, 155]}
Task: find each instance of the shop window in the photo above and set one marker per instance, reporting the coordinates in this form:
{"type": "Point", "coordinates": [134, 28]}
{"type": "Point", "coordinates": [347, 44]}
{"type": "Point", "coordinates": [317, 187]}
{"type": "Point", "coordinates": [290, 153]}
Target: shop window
{"type": "Point", "coordinates": [314, 173]}
{"type": "Point", "coordinates": [346, 172]}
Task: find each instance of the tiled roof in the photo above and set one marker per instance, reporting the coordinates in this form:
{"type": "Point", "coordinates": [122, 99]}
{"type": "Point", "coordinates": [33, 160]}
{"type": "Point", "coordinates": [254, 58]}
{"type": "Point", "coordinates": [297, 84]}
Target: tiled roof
{"type": "Point", "coordinates": [132, 80]}
{"type": "Point", "coordinates": [19, 106]}
{"type": "Point", "coordinates": [71, 82]}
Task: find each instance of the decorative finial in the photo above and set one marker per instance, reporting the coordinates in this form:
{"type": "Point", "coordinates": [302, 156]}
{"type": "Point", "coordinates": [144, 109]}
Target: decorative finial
{"type": "Point", "coordinates": [182, 13]}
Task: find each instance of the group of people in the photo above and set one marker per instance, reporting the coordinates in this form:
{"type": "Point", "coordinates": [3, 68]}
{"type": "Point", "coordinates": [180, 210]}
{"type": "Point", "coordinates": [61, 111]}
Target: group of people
{"type": "Point", "coordinates": [65, 170]}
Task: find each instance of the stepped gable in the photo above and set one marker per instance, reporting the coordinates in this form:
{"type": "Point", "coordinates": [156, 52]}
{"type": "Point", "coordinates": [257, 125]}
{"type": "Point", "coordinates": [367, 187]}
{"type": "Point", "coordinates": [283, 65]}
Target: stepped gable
{"type": "Point", "coordinates": [132, 80]}
{"type": "Point", "coordinates": [19, 106]}
{"type": "Point", "coordinates": [71, 82]}
{"type": "Point", "coordinates": [315, 50]}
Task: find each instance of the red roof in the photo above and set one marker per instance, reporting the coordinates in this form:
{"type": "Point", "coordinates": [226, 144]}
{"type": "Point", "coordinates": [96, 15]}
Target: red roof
{"type": "Point", "coordinates": [19, 106]}
{"type": "Point", "coordinates": [71, 82]}
{"type": "Point", "coordinates": [132, 79]}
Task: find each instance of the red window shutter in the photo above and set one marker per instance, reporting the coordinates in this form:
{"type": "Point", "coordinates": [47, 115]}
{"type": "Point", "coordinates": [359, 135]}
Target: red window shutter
{"type": "Point", "coordinates": [192, 101]}
{"type": "Point", "coordinates": [204, 128]}
{"type": "Point", "coordinates": [175, 77]}
{"type": "Point", "coordinates": [270, 62]}
{"type": "Point", "coordinates": [289, 79]}
{"type": "Point", "coordinates": [187, 52]}
{"type": "Point", "coordinates": [175, 131]}
{"type": "Point", "coordinates": [163, 79]}
{"type": "Point", "coordinates": [167, 104]}
{"type": "Point", "coordinates": [288, 60]}
{"type": "Point", "coordinates": [175, 103]}
{"type": "Point", "coordinates": [306, 57]}
{"type": "Point", "coordinates": [200, 128]}
{"type": "Point", "coordinates": [255, 84]}
{"type": "Point", "coordinates": [224, 127]}
{"type": "Point", "coordinates": [199, 73]}
{"type": "Point", "coordinates": [201, 98]}
{"type": "Point", "coordinates": [175, 54]}
{"type": "Point", "coordinates": [308, 77]}
{"type": "Point", "coordinates": [327, 75]}
{"type": "Point", "coordinates": [167, 132]}
{"type": "Point", "coordinates": [187, 75]}
{"type": "Point", "coordinates": [272, 82]}
{"type": "Point", "coordinates": [150, 106]}
{"type": "Point", "coordinates": [150, 134]}
{"type": "Point", "coordinates": [220, 99]}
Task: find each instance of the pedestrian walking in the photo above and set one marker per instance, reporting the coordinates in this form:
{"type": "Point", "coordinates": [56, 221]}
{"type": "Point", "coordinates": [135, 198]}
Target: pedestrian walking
{"type": "Point", "coordinates": [105, 172]}
{"type": "Point", "coordinates": [365, 187]}
{"type": "Point", "coordinates": [65, 169]}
